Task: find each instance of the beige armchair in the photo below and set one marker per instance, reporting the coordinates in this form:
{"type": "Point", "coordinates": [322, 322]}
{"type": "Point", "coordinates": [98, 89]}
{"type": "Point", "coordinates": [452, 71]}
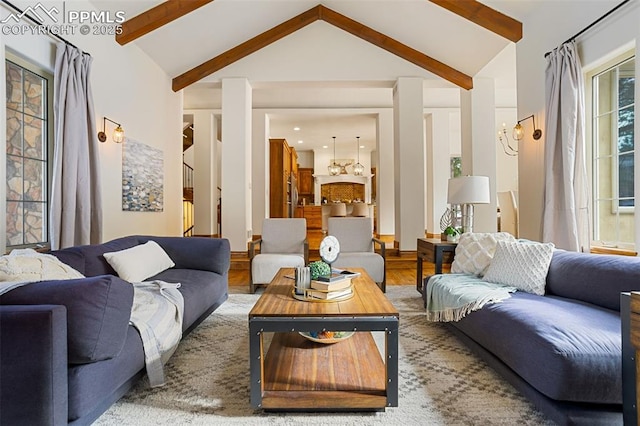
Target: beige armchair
{"type": "Point", "coordinates": [355, 235]}
{"type": "Point", "coordinates": [283, 245]}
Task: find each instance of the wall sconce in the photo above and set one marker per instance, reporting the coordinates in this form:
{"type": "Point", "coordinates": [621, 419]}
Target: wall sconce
{"type": "Point", "coordinates": [358, 169]}
{"type": "Point", "coordinates": [518, 130]}
{"type": "Point", "coordinates": [506, 145]}
{"type": "Point", "coordinates": [118, 133]}
{"type": "Point", "coordinates": [518, 134]}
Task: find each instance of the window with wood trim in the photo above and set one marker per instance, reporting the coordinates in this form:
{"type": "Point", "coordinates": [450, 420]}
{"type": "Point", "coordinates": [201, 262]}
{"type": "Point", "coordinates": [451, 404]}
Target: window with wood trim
{"type": "Point", "coordinates": [28, 142]}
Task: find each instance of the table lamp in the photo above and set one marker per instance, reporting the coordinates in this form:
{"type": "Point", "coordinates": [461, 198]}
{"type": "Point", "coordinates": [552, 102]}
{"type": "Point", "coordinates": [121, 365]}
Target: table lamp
{"type": "Point", "coordinates": [467, 191]}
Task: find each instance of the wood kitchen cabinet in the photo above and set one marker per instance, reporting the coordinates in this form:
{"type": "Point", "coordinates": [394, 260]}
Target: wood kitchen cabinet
{"type": "Point", "coordinates": [294, 161]}
{"type": "Point", "coordinates": [305, 181]}
{"type": "Point", "coordinates": [279, 174]}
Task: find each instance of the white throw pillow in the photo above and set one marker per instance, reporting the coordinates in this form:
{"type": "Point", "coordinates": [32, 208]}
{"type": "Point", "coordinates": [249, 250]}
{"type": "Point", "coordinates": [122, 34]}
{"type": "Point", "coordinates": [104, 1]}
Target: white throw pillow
{"type": "Point", "coordinates": [522, 265]}
{"type": "Point", "coordinates": [138, 263]}
{"type": "Point", "coordinates": [475, 251]}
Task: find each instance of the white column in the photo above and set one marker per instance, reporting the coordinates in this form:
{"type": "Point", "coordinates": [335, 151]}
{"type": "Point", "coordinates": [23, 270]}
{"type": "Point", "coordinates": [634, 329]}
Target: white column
{"type": "Point", "coordinates": [260, 170]}
{"type": "Point", "coordinates": [204, 174]}
{"type": "Point", "coordinates": [438, 167]}
{"type": "Point", "coordinates": [236, 154]}
{"type": "Point", "coordinates": [478, 112]}
{"type": "Point", "coordinates": [409, 161]}
{"type": "Point", "coordinates": [384, 174]}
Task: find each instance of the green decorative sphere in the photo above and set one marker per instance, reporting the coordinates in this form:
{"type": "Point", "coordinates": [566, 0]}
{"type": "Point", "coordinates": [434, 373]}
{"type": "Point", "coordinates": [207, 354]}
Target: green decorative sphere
{"type": "Point", "coordinates": [319, 268]}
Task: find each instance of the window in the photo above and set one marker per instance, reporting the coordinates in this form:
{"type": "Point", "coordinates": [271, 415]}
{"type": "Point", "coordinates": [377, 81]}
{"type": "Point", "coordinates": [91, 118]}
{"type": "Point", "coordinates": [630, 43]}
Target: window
{"type": "Point", "coordinates": [27, 151]}
{"type": "Point", "coordinates": [613, 148]}
{"type": "Point", "coordinates": [456, 166]}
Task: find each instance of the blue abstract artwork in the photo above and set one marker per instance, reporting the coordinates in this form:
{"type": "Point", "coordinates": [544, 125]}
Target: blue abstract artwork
{"type": "Point", "coordinates": [142, 177]}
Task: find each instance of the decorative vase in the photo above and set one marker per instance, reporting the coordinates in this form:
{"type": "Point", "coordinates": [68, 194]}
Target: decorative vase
{"type": "Point", "coordinates": [453, 238]}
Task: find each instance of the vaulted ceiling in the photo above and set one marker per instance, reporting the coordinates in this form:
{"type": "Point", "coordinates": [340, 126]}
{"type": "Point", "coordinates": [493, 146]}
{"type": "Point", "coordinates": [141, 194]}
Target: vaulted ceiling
{"type": "Point", "coordinates": [198, 42]}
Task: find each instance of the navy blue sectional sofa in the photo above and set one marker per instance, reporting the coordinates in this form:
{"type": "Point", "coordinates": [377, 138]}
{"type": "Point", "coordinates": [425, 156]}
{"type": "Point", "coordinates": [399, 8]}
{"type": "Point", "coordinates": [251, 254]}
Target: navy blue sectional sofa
{"type": "Point", "coordinates": [67, 351]}
{"type": "Point", "coordinates": [563, 350]}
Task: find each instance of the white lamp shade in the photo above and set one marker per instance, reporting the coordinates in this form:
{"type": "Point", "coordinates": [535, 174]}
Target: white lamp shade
{"type": "Point", "coordinates": [468, 190]}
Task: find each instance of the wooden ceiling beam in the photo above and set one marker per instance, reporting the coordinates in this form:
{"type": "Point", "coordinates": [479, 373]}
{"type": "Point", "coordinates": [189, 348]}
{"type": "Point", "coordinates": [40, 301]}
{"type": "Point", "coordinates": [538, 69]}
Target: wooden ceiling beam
{"type": "Point", "coordinates": [156, 17]}
{"type": "Point", "coordinates": [331, 17]}
{"type": "Point", "coordinates": [395, 47]}
{"type": "Point", "coordinates": [484, 16]}
{"type": "Point", "coordinates": [245, 49]}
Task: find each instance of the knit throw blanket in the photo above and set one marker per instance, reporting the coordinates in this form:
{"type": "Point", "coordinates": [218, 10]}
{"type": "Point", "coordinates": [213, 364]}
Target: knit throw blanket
{"type": "Point", "coordinates": [450, 297]}
{"type": "Point", "coordinates": [24, 266]}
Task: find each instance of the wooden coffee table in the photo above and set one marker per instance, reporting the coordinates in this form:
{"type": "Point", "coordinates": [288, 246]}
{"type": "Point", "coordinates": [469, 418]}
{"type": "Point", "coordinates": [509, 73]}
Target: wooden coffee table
{"type": "Point", "coordinates": [298, 374]}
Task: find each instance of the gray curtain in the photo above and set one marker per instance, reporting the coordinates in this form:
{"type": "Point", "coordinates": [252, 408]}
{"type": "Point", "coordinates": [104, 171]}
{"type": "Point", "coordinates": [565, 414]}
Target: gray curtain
{"type": "Point", "coordinates": [76, 202]}
{"type": "Point", "coordinates": [566, 197]}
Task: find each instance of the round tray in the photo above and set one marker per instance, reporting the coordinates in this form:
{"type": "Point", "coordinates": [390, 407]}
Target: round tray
{"type": "Point", "coordinates": [345, 336]}
{"type": "Point", "coordinates": [305, 298]}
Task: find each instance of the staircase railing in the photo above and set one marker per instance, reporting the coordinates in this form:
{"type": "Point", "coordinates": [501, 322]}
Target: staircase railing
{"type": "Point", "coordinates": [187, 176]}
{"type": "Point", "coordinates": [187, 203]}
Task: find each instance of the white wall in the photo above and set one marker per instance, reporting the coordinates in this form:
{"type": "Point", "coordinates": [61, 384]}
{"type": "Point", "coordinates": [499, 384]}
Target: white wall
{"type": "Point", "coordinates": [130, 88]}
{"type": "Point", "coordinates": [543, 31]}
{"type": "Point", "coordinates": [305, 159]}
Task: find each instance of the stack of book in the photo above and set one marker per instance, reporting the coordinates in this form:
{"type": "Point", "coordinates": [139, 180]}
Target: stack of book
{"type": "Point", "coordinates": [332, 287]}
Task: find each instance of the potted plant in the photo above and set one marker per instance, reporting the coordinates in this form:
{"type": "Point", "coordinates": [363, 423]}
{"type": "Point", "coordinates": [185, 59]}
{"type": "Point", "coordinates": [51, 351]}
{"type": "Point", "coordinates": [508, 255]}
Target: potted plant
{"type": "Point", "coordinates": [452, 234]}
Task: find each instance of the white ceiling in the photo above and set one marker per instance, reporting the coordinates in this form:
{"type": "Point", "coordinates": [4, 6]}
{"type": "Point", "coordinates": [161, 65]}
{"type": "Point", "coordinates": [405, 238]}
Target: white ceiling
{"type": "Point", "coordinates": [331, 100]}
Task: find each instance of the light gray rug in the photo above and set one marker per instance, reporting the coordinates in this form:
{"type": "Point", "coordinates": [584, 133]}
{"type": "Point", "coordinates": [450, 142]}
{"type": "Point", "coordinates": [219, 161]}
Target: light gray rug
{"type": "Point", "coordinates": [440, 383]}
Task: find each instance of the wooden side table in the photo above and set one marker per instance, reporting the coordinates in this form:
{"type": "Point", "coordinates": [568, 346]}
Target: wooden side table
{"type": "Point", "coordinates": [435, 251]}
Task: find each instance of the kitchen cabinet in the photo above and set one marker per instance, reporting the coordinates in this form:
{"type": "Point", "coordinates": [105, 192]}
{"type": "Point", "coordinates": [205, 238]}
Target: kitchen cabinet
{"type": "Point", "coordinates": [305, 181]}
{"type": "Point", "coordinates": [279, 178]}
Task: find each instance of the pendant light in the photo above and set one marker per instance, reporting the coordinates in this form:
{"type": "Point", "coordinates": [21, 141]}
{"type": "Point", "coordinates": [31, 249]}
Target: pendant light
{"type": "Point", "coordinates": [334, 169]}
{"type": "Point", "coordinates": [358, 169]}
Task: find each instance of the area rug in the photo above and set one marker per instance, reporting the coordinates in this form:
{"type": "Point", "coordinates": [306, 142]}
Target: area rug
{"type": "Point", "coordinates": [440, 381]}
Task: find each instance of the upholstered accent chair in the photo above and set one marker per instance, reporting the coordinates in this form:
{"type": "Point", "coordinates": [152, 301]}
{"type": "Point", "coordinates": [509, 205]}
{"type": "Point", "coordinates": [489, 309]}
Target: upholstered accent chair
{"type": "Point", "coordinates": [283, 245]}
{"type": "Point", "coordinates": [355, 235]}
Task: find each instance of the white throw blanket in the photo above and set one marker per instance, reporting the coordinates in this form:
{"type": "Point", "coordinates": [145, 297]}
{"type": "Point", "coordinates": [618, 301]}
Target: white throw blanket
{"type": "Point", "coordinates": [452, 296]}
{"type": "Point", "coordinates": [157, 315]}
{"type": "Point", "coordinates": [24, 266]}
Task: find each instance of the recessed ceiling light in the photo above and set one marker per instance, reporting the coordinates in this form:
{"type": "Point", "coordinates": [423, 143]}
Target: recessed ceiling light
{"type": "Point", "coordinates": [325, 146]}
{"type": "Point", "coordinates": [361, 146]}
{"type": "Point", "coordinates": [300, 141]}
{"type": "Point", "coordinates": [296, 128]}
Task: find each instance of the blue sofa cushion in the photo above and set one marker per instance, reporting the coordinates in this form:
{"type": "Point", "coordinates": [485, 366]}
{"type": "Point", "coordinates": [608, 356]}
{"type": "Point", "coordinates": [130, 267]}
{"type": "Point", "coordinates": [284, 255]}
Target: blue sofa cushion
{"type": "Point", "coordinates": [98, 312]}
{"type": "Point", "coordinates": [590, 277]}
{"type": "Point", "coordinates": [90, 384]}
{"type": "Point", "coordinates": [200, 289]}
{"type": "Point", "coordinates": [566, 349]}
{"type": "Point", "coordinates": [94, 261]}
{"type": "Point", "coordinates": [72, 257]}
